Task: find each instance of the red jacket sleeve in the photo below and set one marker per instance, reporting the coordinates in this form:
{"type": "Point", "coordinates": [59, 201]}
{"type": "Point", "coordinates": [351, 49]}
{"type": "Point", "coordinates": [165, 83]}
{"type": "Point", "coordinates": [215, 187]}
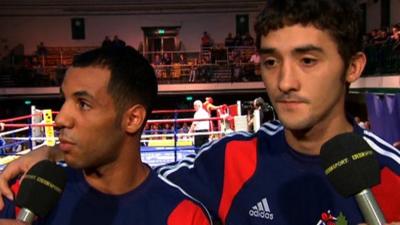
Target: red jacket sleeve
{"type": "Point", "coordinates": [188, 213]}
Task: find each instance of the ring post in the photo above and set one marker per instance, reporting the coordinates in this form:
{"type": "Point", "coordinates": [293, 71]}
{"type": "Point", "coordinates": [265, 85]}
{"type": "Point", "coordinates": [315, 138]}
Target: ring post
{"type": "Point", "coordinates": [49, 129]}
{"type": "Point", "coordinates": [175, 136]}
{"type": "Point", "coordinates": [32, 130]}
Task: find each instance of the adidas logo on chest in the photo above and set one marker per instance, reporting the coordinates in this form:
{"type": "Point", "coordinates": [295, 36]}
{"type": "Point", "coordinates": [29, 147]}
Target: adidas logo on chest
{"type": "Point", "coordinates": [261, 210]}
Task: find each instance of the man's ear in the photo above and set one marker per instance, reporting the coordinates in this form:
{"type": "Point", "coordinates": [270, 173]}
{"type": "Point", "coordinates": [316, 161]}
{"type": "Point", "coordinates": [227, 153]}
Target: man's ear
{"type": "Point", "coordinates": [134, 118]}
{"type": "Point", "coordinates": [356, 67]}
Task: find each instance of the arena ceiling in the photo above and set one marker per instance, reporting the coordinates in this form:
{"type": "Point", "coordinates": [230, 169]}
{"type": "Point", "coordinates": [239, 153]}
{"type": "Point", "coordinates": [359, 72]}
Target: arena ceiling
{"type": "Point", "coordinates": [89, 7]}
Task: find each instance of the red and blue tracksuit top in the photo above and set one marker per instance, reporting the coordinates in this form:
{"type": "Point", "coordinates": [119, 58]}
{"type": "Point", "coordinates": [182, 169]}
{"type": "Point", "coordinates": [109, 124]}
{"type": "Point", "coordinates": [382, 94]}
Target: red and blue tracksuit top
{"type": "Point", "coordinates": [259, 179]}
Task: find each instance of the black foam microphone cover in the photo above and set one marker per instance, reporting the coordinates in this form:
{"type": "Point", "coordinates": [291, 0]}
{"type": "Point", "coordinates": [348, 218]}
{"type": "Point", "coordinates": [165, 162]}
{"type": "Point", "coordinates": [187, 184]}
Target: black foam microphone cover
{"type": "Point", "coordinates": [41, 187]}
{"type": "Point", "coordinates": [350, 164]}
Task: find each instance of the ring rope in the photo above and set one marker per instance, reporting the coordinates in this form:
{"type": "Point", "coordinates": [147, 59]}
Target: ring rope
{"type": "Point", "coordinates": [29, 124]}
{"type": "Point", "coordinates": [181, 134]}
{"type": "Point", "coordinates": [13, 131]}
{"type": "Point", "coordinates": [183, 120]}
{"type": "Point", "coordinates": [27, 138]}
{"type": "Point", "coordinates": [20, 118]}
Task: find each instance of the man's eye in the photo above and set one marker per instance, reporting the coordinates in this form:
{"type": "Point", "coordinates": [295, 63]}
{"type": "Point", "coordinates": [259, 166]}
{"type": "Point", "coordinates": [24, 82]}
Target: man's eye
{"type": "Point", "coordinates": [309, 61]}
{"type": "Point", "coordinates": [83, 105]}
{"type": "Point", "coordinates": [269, 63]}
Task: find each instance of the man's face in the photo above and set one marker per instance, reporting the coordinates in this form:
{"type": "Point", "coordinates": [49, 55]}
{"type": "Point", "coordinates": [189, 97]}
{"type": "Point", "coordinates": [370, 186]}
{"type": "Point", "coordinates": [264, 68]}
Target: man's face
{"type": "Point", "coordinates": [89, 134]}
{"type": "Point", "coordinates": [304, 76]}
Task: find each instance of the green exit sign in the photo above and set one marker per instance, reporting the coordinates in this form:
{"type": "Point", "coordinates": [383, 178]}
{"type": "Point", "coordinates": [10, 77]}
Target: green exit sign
{"type": "Point", "coordinates": [161, 31]}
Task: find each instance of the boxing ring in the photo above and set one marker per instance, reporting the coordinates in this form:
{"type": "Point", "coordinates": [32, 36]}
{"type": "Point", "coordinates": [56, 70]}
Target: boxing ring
{"type": "Point", "coordinates": [162, 141]}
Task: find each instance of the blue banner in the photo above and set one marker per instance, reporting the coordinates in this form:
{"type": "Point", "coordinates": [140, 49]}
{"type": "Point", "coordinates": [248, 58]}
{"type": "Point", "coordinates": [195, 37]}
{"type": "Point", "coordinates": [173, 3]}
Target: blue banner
{"type": "Point", "coordinates": [384, 115]}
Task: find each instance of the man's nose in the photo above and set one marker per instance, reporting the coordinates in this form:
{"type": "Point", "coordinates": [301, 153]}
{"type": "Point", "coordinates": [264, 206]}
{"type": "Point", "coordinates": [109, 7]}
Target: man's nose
{"type": "Point", "coordinates": [288, 78]}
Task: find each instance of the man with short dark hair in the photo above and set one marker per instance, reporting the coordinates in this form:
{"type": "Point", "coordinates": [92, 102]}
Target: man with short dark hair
{"type": "Point", "coordinates": [310, 53]}
{"type": "Point", "coordinates": [109, 93]}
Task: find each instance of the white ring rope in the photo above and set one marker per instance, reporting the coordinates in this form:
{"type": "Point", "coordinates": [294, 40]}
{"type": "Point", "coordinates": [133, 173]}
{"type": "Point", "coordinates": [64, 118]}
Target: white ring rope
{"type": "Point", "coordinates": [13, 131]}
{"type": "Point", "coordinates": [28, 138]}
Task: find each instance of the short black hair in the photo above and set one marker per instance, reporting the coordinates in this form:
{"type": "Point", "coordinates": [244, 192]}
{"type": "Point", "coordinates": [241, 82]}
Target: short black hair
{"type": "Point", "coordinates": [132, 80]}
{"type": "Point", "coordinates": [341, 18]}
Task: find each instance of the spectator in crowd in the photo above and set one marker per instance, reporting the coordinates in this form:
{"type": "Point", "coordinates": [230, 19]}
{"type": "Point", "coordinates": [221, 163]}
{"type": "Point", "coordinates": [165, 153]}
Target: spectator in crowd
{"type": "Point", "coordinates": [182, 59]}
{"type": "Point", "coordinates": [381, 37]}
{"type": "Point", "coordinates": [248, 40]}
{"type": "Point", "coordinates": [395, 31]}
{"type": "Point", "coordinates": [206, 41]}
{"type": "Point", "coordinates": [200, 126]}
{"type": "Point", "coordinates": [118, 43]}
{"type": "Point", "coordinates": [154, 130]}
{"type": "Point", "coordinates": [167, 61]}
{"type": "Point", "coordinates": [146, 129]}
{"type": "Point", "coordinates": [41, 49]}
{"type": "Point", "coordinates": [238, 40]}
{"type": "Point", "coordinates": [155, 63]}
{"type": "Point", "coordinates": [106, 42]}
{"type": "Point", "coordinates": [4, 49]}
{"type": "Point", "coordinates": [236, 67]}
{"type": "Point", "coordinates": [229, 41]}
{"type": "Point", "coordinates": [184, 129]}
{"type": "Point", "coordinates": [157, 59]}
{"type": "Point", "coordinates": [396, 48]}
{"type": "Point", "coordinates": [382, 50]}
{"type": "Point", "coordinates": [35, 62]}
{"type": "Point", "coordinates": [193, 70]}
{"type": "Point", "coordinates": [218, 54]}
{"type": "Point", "coordinates": [27, 63]}
{"type": "Point", "coordinates": [168, 129]}
{"type": "Point", "coordinates": [395, 41]}
{"type": "Point", "coordinates": [41, 52]}
{"type": "Point", "coordinates": [234, 56]}
{"type": "Point", "coordinates": [204, 69]}
{"type": "Point", "coordinates": [373, 34]}
{"type": "Point", "coordinates": [255, 58]}
{"type": "Point", "coordinates": [255, 64]}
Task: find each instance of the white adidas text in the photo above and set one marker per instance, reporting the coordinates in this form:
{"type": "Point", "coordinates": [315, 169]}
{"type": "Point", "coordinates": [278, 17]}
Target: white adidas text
{"type": "Point", "coordinates": [261, 210]}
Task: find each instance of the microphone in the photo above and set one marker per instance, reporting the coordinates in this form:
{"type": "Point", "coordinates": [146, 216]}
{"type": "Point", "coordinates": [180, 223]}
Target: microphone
{"type": "Point", "coordinates": [40, 190]}
{"type": "Point", "coordinates": [351, 167]}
